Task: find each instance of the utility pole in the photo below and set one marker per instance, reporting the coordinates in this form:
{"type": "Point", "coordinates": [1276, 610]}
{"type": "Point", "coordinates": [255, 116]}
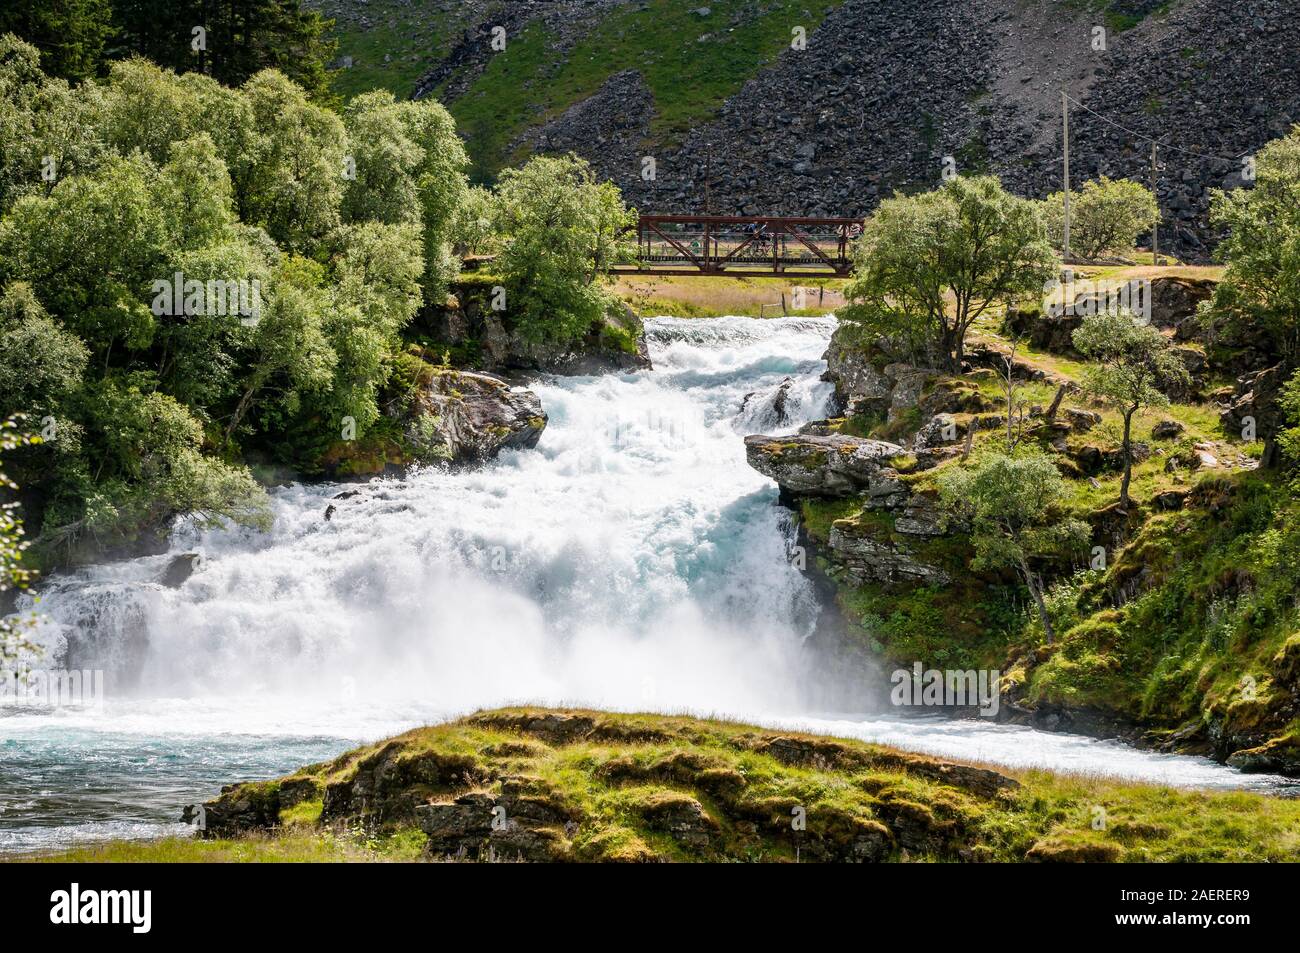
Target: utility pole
{"type": "Point", "coordinates": [1155, 228]}
{"type": "Point", "coordinates": [1065, 139]}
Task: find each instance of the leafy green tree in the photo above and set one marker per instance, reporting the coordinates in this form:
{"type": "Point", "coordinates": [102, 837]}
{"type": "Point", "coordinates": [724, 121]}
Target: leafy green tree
{"type": "Point", "coordinates": [376, 291]}
{"type": "Point", "coordinates": [13, 575]}
{"type": "Point", "coordinates": [70, 34]}
{"type": "Point", "coordinates": [147, 451]}
{"type": "Point", "coordinates": [41, 364]}
{"type": "Point", "coordinates": [409, 169]}
{"type": "Point", "coordinates": [471, 229]}
{"type": "Point", "coordinates": [91, 251]}
{"type": "Point", "coordinates": [1261, 284]}
{"type": "Point", "coordinates": [1107, 216]}
{"type": "Point", "coordinates": [290, 349]}
{"type": "Point", "coordinates": [1009, 504]}
{"type": "Point", "coordinates": [929, 265]}
{"type": "Point", "coordinates": [560, 232]}
{"type": "Point", "coordinates": [1289, 438]}
{"type": "Point", "coordinates": [295, 188]}
{"type": "Point", "coordinates": [47, 128]}
{"type": "Point", "coordinates": [1135, 363]}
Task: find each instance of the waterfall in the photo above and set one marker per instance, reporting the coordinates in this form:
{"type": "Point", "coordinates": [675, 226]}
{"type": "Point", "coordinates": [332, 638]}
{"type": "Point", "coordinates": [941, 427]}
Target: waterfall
{"type": "Point", "coordinates": [632, 560]}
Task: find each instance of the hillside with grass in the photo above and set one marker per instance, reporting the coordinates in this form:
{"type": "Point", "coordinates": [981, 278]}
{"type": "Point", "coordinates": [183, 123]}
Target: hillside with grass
{"type": "Point", "coordinates": [564, 785]}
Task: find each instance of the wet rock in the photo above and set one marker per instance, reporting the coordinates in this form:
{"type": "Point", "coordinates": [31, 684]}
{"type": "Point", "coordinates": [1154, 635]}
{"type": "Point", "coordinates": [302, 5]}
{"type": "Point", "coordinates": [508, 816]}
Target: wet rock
{"type": "Point", "coordinates": [461, 416]}
{"type": "Point", "coordinates": [1278, 756]}
{"type": "Point", "coordinates": [779, 416]}
{"type": "Point", "coordinates": [179, 569]}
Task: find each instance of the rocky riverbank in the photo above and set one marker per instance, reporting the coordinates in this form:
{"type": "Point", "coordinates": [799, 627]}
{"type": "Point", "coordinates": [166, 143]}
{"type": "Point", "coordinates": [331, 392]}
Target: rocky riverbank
{"type": "Point", "coordinates": [1172, 565]}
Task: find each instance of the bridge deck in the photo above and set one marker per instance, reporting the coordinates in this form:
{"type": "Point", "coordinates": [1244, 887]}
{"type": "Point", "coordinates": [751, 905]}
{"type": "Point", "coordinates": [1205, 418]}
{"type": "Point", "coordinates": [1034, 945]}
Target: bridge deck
{"type": "Point", "coordinates": [743, 246]}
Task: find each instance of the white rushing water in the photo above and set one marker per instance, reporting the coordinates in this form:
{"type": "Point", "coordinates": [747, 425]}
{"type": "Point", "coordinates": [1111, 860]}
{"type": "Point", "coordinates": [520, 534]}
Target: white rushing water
{"type": "Point", "coordinates": [632, 561]}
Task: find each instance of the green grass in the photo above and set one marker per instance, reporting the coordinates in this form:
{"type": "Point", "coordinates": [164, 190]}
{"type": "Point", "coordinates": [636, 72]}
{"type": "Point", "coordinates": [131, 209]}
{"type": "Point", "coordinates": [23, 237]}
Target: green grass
{"type": "Point", "coordinates": [710, 296]}
{"type": "Point", "coordinates": [639, 787]}
{"type": "Point", "coordinates": [314, 847]}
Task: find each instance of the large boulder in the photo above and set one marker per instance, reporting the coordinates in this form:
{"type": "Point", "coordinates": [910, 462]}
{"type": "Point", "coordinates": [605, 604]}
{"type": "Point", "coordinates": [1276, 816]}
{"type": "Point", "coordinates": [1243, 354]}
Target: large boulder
{"type": "Point", "coordinates": [836, 465]}
{"type": "Point", "coordinates": [462, 417]}
{"type": "Point", "coordinates": [1045, 331]}
{"type": "Point", "coordinates": [1255, 400]}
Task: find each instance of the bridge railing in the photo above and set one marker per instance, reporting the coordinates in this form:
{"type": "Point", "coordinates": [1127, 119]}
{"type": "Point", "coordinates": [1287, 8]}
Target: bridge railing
{"type": "Point", "coordinates": [743, 245]}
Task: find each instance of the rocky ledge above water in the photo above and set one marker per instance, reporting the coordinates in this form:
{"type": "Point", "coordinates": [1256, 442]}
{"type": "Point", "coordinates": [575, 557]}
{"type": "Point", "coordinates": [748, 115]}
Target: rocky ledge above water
{"type": "Point", "coordinates": [830, 465]}
{"type": "Point", "coordinates": [566, 785]}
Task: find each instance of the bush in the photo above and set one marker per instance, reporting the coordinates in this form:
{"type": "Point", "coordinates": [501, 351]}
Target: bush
{"type": "Point", "coordinates": [1106, 217]}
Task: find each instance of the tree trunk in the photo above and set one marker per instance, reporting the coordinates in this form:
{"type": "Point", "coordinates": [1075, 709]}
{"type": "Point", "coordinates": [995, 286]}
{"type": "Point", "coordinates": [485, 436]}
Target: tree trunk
{"type": "Point", "coordinates": [1056, 404]}
{"type": "Point", "coordinates": [240, 410]}
{"type": "Point", "coordinates": [1128, 459]}
{"type": "Point", "coordinates": [1036, 590]}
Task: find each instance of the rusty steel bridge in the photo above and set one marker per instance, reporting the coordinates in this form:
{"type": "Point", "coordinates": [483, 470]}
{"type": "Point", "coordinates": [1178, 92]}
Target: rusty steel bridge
{"type": "Point", "coordinates": [743, 246]}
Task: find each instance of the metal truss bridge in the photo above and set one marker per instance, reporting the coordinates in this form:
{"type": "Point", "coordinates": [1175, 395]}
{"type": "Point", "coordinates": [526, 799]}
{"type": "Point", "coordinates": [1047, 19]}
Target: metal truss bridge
{"type": "Point", "coordinates": [742, 246]}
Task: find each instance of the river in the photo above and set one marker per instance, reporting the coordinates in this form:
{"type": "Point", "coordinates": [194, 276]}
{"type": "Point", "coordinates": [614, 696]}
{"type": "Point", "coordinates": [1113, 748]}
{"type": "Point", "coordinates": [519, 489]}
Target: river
{"type": "Point", "coordinates": [631, 561]}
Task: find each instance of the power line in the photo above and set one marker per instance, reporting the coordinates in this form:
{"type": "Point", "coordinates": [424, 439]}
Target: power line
{"type": "Point", "coordinates": [1235, 160]}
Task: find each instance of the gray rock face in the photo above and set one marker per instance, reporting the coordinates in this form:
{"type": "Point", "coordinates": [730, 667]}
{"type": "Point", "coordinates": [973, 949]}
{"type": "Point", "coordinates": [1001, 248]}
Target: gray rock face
{"type": "Point", "coordinates": [831, 466]}
{"type": "Point", "coordinates": [466, 417]}
{"type": "Point", "coordinates": [868, 381]}
{"type": "Point", "coordinates": [1255, 401]}
{"type": "Point", "coordinates": [1174, 302]}
{"type": "Point", "coordinates": [1043, 331]}
{"type": "Point", "coordinates": [866, 555]}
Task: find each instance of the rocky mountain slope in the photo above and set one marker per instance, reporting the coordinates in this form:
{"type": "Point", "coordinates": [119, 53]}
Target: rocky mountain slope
{"type": "Point", "coordinates": [738, 121]}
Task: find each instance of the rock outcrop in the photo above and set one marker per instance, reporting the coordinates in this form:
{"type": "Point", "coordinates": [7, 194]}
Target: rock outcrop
{"type": "Point", "coordinates": [869, 381]}
{"type": "Point", "coordinates": [539, 785]}
{"type": "Point", "coordinates": [867, 552]}
{"type": "Point", "coordinates": [464, 417]}
{"type": "Point", "coordinates": [829, 466]}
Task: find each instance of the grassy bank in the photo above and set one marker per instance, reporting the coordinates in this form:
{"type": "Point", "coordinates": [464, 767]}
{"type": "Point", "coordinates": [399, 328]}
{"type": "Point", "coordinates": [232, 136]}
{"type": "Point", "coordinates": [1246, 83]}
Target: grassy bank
{"type": "Point", "coordinates": [592, 786]}
{"type": "Point", "coordinates": [713, 296]}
